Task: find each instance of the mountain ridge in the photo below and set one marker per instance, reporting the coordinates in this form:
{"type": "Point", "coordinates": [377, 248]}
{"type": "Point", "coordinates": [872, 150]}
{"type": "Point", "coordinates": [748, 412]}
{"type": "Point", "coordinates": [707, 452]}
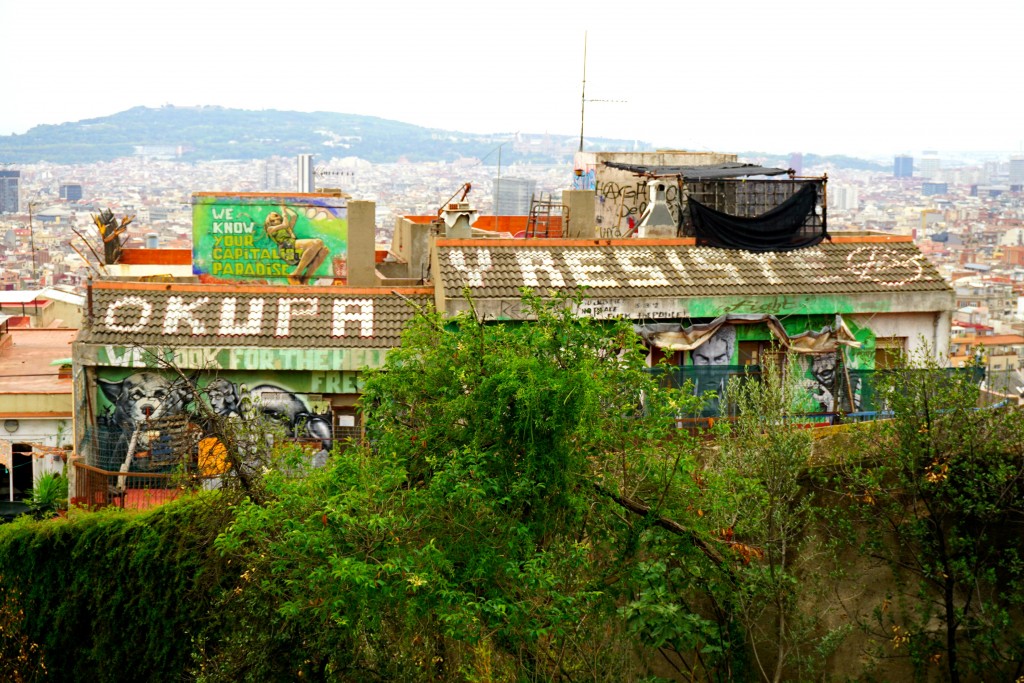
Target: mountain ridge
{"type": "Point", "coordinates": [210, 132]}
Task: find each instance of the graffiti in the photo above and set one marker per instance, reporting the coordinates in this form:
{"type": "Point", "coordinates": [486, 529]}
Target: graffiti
{"type": "Point", "coordinates": [767, 304]}
{"type": "Point", "coordinates": [712, 367]}
{"type": "Point", "coordinates": [340, 361]}
{"type": "Point", "coordinates": [659, 266]}
{"type": "Point", "coordinates": [150, 421]}
{"type": "Point", "coordinates": [195, 314]}
{"type": "Point", "coordinates": [630, 201]}
{"type": "Point", "coordinates": [718, 349]}
{"type": "Point", "coordinates": [885, 266]}
{"type": "Point", "coordinates": [583, 180]}
{"type": "Point", "coordinates": [826, 387]}
{"type": "Point", "coordinates": [270, 238]}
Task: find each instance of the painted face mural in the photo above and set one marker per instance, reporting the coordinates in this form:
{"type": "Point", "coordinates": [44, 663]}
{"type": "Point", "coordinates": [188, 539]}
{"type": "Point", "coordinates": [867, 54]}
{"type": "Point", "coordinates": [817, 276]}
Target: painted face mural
{"type": "Point", "coordinates": [718, 349]}
{"type": "Point", "coordinates": [136, 420]}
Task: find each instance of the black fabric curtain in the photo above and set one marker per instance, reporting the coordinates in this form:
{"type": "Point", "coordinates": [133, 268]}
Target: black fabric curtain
{"type": "Point", "coordinates": [783, 228]}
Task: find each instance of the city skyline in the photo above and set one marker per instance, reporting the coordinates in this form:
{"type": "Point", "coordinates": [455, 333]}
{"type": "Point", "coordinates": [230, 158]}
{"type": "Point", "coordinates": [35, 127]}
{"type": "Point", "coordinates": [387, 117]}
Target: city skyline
{"type": "Point", "coordinates": [865, 79]}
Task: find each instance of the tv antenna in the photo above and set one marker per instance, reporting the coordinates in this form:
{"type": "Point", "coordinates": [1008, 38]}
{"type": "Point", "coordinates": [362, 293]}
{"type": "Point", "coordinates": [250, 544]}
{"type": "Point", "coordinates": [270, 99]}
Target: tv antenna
{"type": "Point", "coordinates": [583, 94]}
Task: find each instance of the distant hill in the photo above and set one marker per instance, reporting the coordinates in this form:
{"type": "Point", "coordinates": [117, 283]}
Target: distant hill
{"type": "Point", "coordinates": [206, 133]}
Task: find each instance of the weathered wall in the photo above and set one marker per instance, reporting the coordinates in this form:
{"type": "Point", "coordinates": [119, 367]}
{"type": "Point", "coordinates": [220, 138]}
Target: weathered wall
{"type": "Point", "coordinates": [622, 196]}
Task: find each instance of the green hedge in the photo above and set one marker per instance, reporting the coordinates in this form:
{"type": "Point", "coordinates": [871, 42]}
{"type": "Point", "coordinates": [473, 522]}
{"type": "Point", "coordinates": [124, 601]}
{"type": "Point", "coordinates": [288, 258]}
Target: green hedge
{"type": "Point", "coordinates": [111, 595]}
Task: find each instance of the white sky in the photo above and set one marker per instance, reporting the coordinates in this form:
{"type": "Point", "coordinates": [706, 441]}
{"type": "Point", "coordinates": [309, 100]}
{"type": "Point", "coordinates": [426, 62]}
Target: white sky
{"type": "Point", "coordinates": [833, 76]}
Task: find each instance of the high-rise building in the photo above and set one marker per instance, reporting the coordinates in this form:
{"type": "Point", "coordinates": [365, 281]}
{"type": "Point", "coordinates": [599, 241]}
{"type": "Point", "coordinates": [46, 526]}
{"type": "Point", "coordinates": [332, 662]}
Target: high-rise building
{"type": "Point", "coordinates": [843, 198]}
{"type": "Point", "coordinates": [903, 167]}
{"type": "Point", "coordinates": [271, 176]}
{"type": "Point", "coordinates": [9, 187]}
{"type": "Point", "coordinates": [1017, 170]}
{"type": "Point", "coordinates": [930, 165]}
{"type": "Point", "coordinates": [305, 173]}
{"type": "Point", "coordinates": [70, 192]}
{"type": "Point", "coordinates": [796, 162]}
{"type": "Point", "coordinates": [512, 196]}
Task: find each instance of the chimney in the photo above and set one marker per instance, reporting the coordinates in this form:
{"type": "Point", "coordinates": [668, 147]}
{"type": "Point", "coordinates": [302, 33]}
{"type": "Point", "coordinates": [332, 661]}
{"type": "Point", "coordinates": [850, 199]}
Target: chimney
{"type": "Point", "coordinates": [362, 248]}
{"type": "Point", "coordinates": [657, 220]}
{"type": "Point", "coordinates": [458, 219]}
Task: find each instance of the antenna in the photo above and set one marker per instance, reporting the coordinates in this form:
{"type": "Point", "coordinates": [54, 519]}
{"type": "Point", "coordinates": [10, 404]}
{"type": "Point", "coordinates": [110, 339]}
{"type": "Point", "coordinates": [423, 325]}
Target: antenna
{"type": "Point", "coordinates": [583, 93]}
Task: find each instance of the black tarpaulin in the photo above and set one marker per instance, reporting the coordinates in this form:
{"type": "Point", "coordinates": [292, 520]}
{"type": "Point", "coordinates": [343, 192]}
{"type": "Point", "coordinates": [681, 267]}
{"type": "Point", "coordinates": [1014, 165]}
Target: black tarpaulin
{"type": "Point", "coordinates": [784, 228]}
{"type": "Point", "coordinates": [726, 170]}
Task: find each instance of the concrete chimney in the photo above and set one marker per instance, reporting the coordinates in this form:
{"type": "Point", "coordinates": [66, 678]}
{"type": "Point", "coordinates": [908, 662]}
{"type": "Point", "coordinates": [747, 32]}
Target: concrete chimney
{"type": "Point", "coordinates": [579, 221]}
{"type": "Point", "coordinates": [362, 248]}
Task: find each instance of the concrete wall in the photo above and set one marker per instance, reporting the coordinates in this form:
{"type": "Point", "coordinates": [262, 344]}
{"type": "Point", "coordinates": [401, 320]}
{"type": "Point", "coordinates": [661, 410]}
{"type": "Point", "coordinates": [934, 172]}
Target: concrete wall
{"type": "Point", "coordinates": [924, 332]}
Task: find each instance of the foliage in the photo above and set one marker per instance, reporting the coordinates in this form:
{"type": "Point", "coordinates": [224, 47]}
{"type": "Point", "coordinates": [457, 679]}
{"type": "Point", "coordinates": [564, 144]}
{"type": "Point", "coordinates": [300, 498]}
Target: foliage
{"type": "Point", "coordinates": [765, 511]}
{"type": "Point", "coordinates": [939, 497]}
{"type": "Point", "coordinates": [108, 596]}
{"type": "Point", "coordinates": [49, 495]}
{"type": "Point", "coordinates": [525, 510]}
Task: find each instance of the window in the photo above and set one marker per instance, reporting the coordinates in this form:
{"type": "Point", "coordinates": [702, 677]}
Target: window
{"type": "Point", "coordinates": [888, 351]}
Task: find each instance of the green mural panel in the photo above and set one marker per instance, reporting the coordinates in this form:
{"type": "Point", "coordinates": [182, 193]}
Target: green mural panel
{"type": "Point", "coordinates": [280, 239]}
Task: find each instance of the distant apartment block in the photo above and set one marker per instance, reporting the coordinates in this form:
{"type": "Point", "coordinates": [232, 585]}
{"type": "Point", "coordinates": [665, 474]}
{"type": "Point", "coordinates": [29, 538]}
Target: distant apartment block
{"type": "Point", "coordinates": [928, 189]}
{"type": "Point", "coordinates": [903, 167]}
{"type": "Point", "coordinates": [1017, 170]}
{"type": "Point", "coordinates": [843, 198]}
{"type": "Point", "coordinates": [930, 165]}
{"type": "Point", "coordinates": [70, 192]}
{"type": "Point", "coordinates": [9, 186]}
{"type": "Point", "coordinates": [512, 196]}
{"type": "Point", "coordinates": [796, 162]}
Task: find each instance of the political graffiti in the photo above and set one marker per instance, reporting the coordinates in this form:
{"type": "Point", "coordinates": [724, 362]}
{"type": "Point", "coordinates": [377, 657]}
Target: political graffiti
{"type": "Point", "coordinates": [294, 239]}
{"type": "Point", "coordinates": [209, 315]}
{"type": "Point", "coordinates": [240, 358]}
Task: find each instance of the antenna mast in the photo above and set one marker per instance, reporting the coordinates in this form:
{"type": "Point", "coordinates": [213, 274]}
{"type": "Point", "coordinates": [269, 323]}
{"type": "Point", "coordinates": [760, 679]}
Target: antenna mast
{"type": "Point", "coordinates": [583, 94]}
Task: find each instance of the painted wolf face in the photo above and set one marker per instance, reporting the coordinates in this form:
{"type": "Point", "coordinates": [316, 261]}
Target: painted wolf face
{"type": "Point", "coordinates": [144, 396]}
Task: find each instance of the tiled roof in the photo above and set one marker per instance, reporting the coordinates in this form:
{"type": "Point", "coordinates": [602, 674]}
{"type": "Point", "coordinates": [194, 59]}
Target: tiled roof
{"type": "Point", "coordinates": [198, 315]}
{"type": "Point", "coordinates": [673, 268]}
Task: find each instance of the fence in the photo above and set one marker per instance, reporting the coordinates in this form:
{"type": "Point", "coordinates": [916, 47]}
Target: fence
{"type": "Point", "coordinates": [854, 393]}
{"type": "Point", "coordinates": [97, 488]}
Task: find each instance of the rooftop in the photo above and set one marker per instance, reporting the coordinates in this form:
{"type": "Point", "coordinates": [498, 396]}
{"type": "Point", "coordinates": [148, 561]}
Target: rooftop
{"type": "Point", "coordinates": [26, 361]}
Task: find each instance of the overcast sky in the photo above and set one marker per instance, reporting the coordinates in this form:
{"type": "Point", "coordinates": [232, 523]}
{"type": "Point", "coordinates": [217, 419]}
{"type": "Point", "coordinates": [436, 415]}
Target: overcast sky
{"type": "Point", "coordinates": [858, 77]}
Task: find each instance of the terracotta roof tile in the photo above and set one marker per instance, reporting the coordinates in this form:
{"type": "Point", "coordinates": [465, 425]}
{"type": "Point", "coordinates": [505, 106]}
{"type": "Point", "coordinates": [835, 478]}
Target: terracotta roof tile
{"type": "Point", "coordinates": [679, 270]}
{"type": "Point", "coordinates": [191, 316]}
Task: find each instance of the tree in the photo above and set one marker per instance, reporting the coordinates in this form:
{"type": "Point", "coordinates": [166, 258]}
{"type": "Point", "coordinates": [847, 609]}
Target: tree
{"type": "Point", "coordinates": [939, 498]}
{"type": "Point", "coordinates": [766, 509]}
{"type": "Point", "coordinates": [525, 508]}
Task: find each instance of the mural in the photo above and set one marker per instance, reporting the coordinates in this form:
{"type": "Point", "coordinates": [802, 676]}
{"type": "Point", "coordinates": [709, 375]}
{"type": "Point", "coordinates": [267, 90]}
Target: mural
{"type": "Point", "coordinates": [829, 390]}
{"type": "Point", "coordinates": [712, 364]}
{"type": "Point", "coordinates": [294, 239]}
{"type": "Point", "coordinates": [149, 419]}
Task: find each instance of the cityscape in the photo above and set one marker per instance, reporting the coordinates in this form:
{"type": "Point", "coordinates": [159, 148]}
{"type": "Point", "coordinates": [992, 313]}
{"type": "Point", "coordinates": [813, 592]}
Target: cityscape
{"type": "Point", "coordinates": [485, 388]}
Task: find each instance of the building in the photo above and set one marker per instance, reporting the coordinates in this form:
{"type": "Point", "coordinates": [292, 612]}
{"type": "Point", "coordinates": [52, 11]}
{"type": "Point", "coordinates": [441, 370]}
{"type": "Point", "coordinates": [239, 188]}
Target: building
{"type": "Point", "coordinates": [1017, 170]}
{"type": "Point", "coordinates": [796, 163]}
{"type": "Point", "coordinates": [929, 189]}
{"type": "Point", "coordinates": [35, 405]}
{"type": "Point", "coordinates": [844, 198]}
{"type": "Point", "coordinates": [512, 196]}
{"type": "Point", "coordinates": [9, 191]}
{"type": "Point", "coordinates": [649, 194]}
{"type": "Point", "coordinates": [282, 320]}
{"type": "Point", "coordinates": [930, 165]}
{"type": "Point", "coordinates": [70, 192]}
{"type": "Point", "coordinates": [903, 167]}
